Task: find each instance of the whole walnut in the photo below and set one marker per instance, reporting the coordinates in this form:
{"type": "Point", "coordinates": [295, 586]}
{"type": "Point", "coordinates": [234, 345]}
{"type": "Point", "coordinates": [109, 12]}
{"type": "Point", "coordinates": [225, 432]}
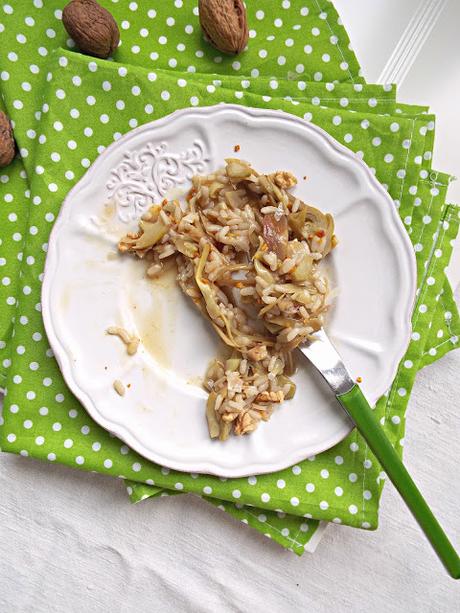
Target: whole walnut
{"type": "Point", "coordinates": [224, 23]}
{"type": "Point", "coordinates": [7, 144]}
{"type": "Point", "coordinates": [92, 27]}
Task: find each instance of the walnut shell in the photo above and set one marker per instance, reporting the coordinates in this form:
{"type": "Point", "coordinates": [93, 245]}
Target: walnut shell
{"type": "Point", "coordinates": [7, 145]}
{"type": "Point", "coordinates": [92, 27]}
{"type": "Point", "coordinates": [224, 24]}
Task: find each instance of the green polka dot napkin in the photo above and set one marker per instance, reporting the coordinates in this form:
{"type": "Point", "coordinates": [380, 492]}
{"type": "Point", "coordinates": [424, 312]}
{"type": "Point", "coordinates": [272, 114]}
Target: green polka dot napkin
{"type": "Point", "coordinates": [67, 108]}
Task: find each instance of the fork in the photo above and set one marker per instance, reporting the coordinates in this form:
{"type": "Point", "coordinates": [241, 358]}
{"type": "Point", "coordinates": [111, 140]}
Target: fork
{"type": "Point", "coordinates": [323, 355]}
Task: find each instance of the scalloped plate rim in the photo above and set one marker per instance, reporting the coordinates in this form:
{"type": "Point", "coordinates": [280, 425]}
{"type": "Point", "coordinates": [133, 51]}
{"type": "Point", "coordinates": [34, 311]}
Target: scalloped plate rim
{"type": "Point", "coordinates": [122, 431]}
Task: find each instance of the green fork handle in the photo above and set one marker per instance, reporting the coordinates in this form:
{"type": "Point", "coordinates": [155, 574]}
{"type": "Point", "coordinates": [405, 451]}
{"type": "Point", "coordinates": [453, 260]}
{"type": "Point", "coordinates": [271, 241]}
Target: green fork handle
{"type": "Point", "coordinates": [361, 413]}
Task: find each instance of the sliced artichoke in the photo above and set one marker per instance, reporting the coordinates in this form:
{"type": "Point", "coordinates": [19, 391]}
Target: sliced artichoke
{"type": "Point", "coordinates": [282, 381]}
{"type": "Point", "coordinates": [238, 169]}
{"type": "Point", "coordinates": [211, 416]}
{"type": "Point", "coordinates": [152, 233]}
{"type": "Point", "coordinates": [188, 248]}
{"type": "Point", "coordinates": [276, 234]}
{"type": "Point", "coordinates": [303, 270]}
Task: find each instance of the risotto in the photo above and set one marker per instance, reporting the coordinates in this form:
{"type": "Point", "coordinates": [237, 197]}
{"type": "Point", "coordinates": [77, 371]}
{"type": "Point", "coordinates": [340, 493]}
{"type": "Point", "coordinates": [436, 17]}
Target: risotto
{"type": "Point", "coordinates": [247, 254]}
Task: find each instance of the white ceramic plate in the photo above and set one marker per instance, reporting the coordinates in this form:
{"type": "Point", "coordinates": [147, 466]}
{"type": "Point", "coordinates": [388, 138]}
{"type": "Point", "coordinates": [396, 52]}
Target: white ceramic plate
{"type": "Point", "coordinates": [88, 287]}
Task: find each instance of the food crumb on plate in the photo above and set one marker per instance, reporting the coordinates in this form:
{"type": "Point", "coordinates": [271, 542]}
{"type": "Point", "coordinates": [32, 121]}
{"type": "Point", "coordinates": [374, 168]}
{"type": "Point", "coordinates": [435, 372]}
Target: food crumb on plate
{"type": "Point", "coordinates": [131, 341]}
{"type": "Point", "coordinates": [119, 387]}
{"type": "Point", "coordinates": [359, 379]}
{"type": "Point", "coordinates": [236, 148]}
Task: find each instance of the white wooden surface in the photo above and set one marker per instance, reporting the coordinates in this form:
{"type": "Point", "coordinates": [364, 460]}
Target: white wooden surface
{"type": "Point", "coordinates": [71, 541]}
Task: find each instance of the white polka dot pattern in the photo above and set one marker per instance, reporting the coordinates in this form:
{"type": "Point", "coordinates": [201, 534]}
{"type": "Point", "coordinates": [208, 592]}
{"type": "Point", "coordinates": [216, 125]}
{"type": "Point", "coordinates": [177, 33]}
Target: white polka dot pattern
{"type": "Point", "coordinates": [293, 62]}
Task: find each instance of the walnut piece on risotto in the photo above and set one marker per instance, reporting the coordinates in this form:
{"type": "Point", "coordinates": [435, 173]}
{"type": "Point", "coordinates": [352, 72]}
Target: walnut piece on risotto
{"type": "Point", "coordinates": [270, 396]}
{"type": "Point", "coordinates": [283, 179]}
{"type": "Point", "coordinates": [257, 353]}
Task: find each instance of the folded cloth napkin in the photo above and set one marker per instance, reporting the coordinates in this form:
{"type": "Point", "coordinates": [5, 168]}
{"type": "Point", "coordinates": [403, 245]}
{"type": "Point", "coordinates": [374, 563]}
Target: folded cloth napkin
{"type": "Point", "coordinates": [67, 107]}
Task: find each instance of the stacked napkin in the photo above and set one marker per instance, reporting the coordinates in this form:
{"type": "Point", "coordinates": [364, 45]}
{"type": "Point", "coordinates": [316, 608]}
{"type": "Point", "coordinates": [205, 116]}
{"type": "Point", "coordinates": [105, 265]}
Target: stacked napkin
{"type": "Point", "coordinates": [67, 107]}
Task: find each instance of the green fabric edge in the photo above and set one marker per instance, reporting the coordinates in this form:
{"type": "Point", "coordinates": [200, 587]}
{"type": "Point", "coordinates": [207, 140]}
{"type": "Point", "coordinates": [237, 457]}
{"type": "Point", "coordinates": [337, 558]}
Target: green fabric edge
{"type": "Point", "coordinates": [291, 532]}
{"type": "Point", "coordinates": [438, 346]}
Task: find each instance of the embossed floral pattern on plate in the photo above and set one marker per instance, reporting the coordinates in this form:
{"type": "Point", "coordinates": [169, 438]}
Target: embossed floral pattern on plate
{"type": "Point", "coordinates": [147, 175]}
